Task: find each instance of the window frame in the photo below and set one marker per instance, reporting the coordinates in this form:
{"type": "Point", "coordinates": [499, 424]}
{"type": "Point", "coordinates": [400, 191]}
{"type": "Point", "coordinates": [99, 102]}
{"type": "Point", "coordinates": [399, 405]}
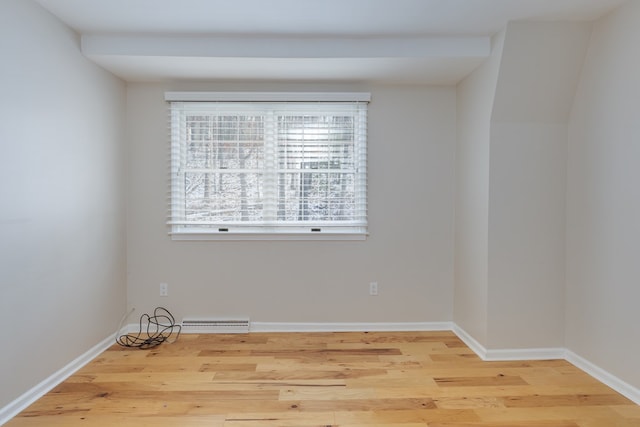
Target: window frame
{"type": "Point", "coordinates": [320, 230]}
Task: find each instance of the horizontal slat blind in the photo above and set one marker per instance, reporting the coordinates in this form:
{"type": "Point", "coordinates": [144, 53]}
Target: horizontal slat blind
{"type": "Point", "coordinates": [273, 167]}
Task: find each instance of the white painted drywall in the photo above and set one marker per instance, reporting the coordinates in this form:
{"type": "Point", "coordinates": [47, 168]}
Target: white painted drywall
{"type": "Point", "coordinates": [475, 97]}
{"type": "Point", "coordinates": [526, 235]}
{"type": "Point", "coordinates": [511, 171]}
{"type": "Point", "coordinates": [409, 251]}
{"type": "Point", "coordinates": [62, 221]}
{"type": "Point", "coordinates": [539, 70]}
{"type": "Point", "coordinates": [603, 200]}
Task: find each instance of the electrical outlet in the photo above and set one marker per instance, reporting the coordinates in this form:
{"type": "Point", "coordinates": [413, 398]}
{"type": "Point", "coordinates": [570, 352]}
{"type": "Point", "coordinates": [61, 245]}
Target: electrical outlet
{"type": "Point", "coordinates": [373, 288]}
{"type": "Point", "coordinates": [164, 289]}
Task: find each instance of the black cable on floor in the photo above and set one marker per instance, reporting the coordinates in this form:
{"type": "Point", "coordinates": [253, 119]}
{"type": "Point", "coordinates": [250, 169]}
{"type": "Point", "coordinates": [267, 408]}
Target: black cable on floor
{"type": "Point", "coordinates": [159, 328]}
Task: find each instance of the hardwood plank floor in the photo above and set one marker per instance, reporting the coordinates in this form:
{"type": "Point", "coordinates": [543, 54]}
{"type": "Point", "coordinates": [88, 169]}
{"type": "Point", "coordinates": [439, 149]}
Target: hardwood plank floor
{"type": "Point", "coordinates": [403, 379]}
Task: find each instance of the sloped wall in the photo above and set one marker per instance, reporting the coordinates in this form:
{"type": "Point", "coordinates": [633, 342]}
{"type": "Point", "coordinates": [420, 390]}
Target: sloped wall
{"type": "Point", "coordinates": [475, 99]}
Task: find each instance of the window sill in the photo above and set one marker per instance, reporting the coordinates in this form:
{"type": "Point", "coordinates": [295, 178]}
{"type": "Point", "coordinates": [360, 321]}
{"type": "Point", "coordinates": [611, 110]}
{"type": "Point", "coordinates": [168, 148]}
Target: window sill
{"type": "Point", "coordinates": [203, 236]}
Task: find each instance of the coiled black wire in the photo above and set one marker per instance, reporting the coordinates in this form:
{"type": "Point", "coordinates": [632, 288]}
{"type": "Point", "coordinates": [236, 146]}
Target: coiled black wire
{"type": "Point", "coordinates": [159, 328]}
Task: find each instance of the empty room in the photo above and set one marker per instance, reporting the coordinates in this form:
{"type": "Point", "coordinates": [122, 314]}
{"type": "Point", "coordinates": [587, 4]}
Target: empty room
{"type": "Point", "coordinates": [342, 213]}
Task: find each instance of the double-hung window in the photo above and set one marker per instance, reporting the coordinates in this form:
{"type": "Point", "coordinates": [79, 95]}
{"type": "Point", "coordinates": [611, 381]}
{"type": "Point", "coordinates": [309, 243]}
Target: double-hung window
{"type": "Point", "coordinates": [268, 165]}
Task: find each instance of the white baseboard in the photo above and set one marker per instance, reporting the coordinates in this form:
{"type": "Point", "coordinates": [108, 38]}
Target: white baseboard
{"type": "Point", "coordinates": [470, 341]}
{"type": "Point", "coordinates": [349, 327]}
{"type": "Point", "coordinates": [625, 389]}
{"type": "Point", "coordinates": [525, 354]}
{"type": "Point", "coordinates": [30, 396]}
{"type": "Point", "coordinates": [492, 355]}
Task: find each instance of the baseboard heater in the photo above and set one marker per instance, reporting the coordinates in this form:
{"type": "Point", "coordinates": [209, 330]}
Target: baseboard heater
{"type": "Point", "coordinates": [215, 326]}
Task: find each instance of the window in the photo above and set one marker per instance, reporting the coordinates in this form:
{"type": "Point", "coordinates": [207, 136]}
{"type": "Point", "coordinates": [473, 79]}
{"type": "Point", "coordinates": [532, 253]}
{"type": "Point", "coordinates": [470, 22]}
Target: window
{"type": "Point", "coordinates": [268, 169]}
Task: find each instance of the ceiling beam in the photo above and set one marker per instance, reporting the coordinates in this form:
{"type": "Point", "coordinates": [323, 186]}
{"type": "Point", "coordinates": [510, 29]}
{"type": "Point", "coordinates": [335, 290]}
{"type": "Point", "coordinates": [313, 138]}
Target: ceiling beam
{"type": "Point", "coordinates": [286, 47]}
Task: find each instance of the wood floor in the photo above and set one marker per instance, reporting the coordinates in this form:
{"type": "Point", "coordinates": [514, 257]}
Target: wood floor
{"type": "Point", "coordinates": [414, 379]}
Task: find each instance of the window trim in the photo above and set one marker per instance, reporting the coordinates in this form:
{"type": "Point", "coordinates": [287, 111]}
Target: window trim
{"type": "Point", "coordinates": [267, 96]}
{"type": "Point", "coordinates": [297, 232]}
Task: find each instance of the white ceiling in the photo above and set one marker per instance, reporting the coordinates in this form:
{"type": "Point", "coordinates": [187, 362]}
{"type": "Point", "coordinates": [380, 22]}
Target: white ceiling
{"type": "Point", "coordinates": [395, 41]}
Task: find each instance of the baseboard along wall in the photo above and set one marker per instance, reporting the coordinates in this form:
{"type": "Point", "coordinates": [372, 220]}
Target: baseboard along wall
{"type": "Point", "coordinates": [627, 390]}
{"type": "Point", "coordinates": [46, 385]}
{"type": "Point", "coordinates": [349, 327]}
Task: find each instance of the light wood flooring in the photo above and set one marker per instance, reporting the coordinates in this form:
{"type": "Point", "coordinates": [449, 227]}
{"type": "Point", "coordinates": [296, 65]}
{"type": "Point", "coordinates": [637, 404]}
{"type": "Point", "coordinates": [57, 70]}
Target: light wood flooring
{"type": "Point", "coordinates": [402, 379]}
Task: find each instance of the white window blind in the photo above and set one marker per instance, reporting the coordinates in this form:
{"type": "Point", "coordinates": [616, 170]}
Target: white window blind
{"type": "Point", "coordinates": [284, 169]}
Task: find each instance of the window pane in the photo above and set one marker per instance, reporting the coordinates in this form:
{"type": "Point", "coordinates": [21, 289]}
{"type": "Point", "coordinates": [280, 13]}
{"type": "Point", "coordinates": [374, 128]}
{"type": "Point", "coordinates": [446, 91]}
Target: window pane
{"type": "Point", "coordinates": [225, 155]}
{"type": "Point", "coordinates": [223, 196]}
{"type": "Point", "coordinates": [225, 142]}
{"type": "Point", "coordinates": [303, 140]}
{"type": "Point", "coordinates": [315, 128]}
{"type": "Point", "coordinates": [307, 196]}
{"type": "Point", "coordinates": [323, 144]}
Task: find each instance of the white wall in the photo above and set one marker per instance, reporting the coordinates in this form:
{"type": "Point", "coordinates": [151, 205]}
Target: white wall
{"type": "Point", "coordinates": [526, 235]}
{"type": "Point", "coordinates": [603, 203]}
{"type": "Point", "coordinates": [409, 251]}
{"type": "Point", "coordinates": [475, 96]}
{"type": "Point", "coordinates": [539, 70]}
{"type": "Point", "coordinates": [510, 211]}
{"type": "Point", "coordinates": [62, 246]}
